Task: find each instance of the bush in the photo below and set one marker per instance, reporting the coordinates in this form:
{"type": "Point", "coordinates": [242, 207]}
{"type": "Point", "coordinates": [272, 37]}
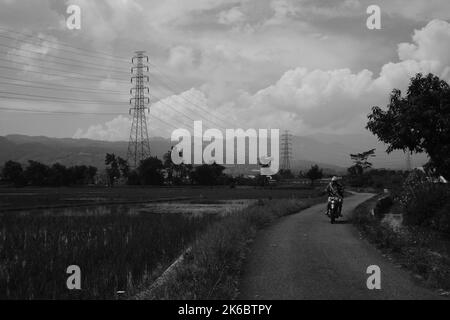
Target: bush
{"type": "Point", "coordinates": [443, 218]}
{"type": "Point", "coordinates": [383, 205]}
{"type": "Point", "coordinates": [421, 209]}
{"type": "Point", "coordinates": [425, 203]}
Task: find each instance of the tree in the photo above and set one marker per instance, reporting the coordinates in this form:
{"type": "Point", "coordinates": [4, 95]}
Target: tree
{"type": "Point", "coordinates": [150, 171]}
{"type": "Point", "coordinates": [315, 173]}
{"type": "Point", "coordinates": [285, 174]}
{"type": "Point", "coordinates": [124, 167]}
{"type": "Point", "coordinates": [59, 175]}
{"type": "Point", "coordinates": [169, 165]}
{"type": "Point", "coordinates": [361, 162]}
{"type": "Point", "coordinates": [208, 174]}
{"type": "Point", "coordinates": [112, 169]}
{"type": "Point", "coordinates": [419, 122]}
{"type": "Point", "coordinates": [37, 173]}
{"type": "Point", "coordinates": [12, 172]}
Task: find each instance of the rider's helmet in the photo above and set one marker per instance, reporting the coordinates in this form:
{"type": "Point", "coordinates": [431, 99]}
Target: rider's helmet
{"type": "Point", "coordinates": [334, 179]}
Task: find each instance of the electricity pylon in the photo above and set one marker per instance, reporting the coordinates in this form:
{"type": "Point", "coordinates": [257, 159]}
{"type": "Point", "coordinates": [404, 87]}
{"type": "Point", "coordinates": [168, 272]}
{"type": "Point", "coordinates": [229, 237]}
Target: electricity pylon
{"type": "Point", "coordinates": [139, 144]}
{"type": "Point", "coordinates": [286, 152]}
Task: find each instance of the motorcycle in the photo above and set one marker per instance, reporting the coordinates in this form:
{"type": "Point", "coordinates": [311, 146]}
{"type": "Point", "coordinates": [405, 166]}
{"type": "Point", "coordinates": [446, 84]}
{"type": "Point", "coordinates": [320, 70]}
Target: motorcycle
{"type": "Point", "coordinates": [335, 203]}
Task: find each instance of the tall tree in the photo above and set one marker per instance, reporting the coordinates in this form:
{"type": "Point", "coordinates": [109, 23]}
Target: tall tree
{"type": "Point", "coordinates": [124, 167]}
{"type": "Point", "coordinates": [169, 165]}
{"type": "Point", "coordinates": [112, 168]}
{"type": "Point", "coordinates": [418, 122]}
{"type": "Point", "coordinates": [361, 162]}
{"type": "Point", "coordinates": [315, 173]}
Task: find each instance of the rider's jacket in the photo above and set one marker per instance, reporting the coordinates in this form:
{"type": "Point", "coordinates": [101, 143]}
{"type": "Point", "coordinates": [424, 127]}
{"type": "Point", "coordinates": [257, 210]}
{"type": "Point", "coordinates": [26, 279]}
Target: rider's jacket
{"type": "Point", "coordinates": [335, 190]}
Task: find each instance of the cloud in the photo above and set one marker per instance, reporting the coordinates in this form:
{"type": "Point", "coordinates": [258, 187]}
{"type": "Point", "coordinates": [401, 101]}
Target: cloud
{"type": "Point", "coordinates": [335, 98]}
{"type": "Point", "coordinates": [181, 57]}
{"type": "Point", "coordinates": [305, 100]}
{"type": "Point", "coordinates": [430, 43]}
{"type": "Point", "coordinates": [115, 130]}
{"type": "Point", "coordinates": [232, 16]}
{"type": "Point", "coordinates": [167, 114]}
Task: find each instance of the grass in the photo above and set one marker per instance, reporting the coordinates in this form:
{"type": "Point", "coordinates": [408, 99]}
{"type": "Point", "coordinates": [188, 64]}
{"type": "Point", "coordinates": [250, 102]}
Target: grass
{"type": "Point", "coordinates": [421, 250]}
{"type": "Point", "coordinates": [30, 198]}
{"type": "Point", "coordinates": [212, 268]}
{"type": "Point", "coordinates": [115, 251]}
{"type": "Point", "coordinates": [118, 251]}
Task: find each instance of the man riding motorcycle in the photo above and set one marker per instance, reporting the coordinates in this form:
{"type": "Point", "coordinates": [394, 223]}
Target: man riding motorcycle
{"type": "Point", "coordinates": [335, 189]}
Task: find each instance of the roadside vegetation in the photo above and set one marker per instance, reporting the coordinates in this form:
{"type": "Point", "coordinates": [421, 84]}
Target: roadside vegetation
{"type": "Point", "coordinates": [417, 122]}
{"type": "Point", "coordinates": [423, 248]}
{"type": "Point", "coordinates": [212, 268]}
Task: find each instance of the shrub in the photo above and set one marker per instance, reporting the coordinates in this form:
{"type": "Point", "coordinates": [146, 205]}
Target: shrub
{"type": "Point", "coordinates": [443, 218]}
{"type": "Point", "coordinates": [423, 207]}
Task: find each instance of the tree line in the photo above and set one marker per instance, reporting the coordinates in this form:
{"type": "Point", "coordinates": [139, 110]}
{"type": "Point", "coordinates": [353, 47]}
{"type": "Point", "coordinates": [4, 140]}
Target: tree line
{"type": "Point", "coordinates": [151, 171]}
{"type": "Point", "coordinates": [154, 171]}
{"type": "Point", "coordinates": [39, 174]}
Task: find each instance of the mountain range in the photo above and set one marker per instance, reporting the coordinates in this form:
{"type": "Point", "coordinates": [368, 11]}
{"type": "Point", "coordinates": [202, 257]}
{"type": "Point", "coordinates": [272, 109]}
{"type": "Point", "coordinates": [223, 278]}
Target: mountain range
{"type": "Point", "coordinates": [330, 152]}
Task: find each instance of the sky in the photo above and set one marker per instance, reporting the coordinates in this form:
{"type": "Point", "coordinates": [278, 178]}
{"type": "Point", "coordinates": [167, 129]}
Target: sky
{"type": "Point", "coordinates": [308, 66]}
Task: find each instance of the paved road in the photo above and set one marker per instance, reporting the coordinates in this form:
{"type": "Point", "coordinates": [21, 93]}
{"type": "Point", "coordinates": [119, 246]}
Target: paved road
{"type": "Point", "coordinates": [303, 256]}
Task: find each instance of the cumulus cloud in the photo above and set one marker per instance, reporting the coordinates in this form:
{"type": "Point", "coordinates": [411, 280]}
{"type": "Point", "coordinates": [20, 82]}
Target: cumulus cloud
{"type": "Point", "coordinates": [167, 114]}
{"type": "Point", "coordinates": [232, 16]}
{"type": "Point", "coordinates": [115, 130]}
{"type": "Point", "coordinates": [307, 99]}
{"type": "Point", "coordinates": [335, 98]}
{"type": "Point", "coordinates": [430, 43]}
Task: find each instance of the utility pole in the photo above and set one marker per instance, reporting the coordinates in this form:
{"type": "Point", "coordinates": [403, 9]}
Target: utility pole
{"type": "Point", "coordinates": [286, 152]}
{"type": "Point", "coordinates": [408, 161]}
{"type": "Point", "coordinates": [139, 144]}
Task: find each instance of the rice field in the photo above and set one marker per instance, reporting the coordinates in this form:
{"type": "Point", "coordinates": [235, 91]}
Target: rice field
{"type": "Point", "coordinates": [117, 248]}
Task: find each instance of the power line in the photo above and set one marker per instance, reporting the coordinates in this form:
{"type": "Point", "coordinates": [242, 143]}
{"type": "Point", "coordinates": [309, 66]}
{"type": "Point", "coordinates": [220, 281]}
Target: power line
{"type": "Point", "coordinates": [55, 74]}
{"type": "Point", "coordinates": [50, 55]}
{"type": "Point", "coordinates": [195, 105]}
{"type": "Point", "coordinates": [98, 56]}
{"type": "Point", "coordinates": [160, 100]}
{"type": "Point", "coordinates": [93, 67]}
{"type": "Point", "coordinates": [60, 70]}
{"type": "Point", "coordinates": [192, 107]}
{"type": "Point", "coordinates": [65, 44]}
{"type": "Point", "coordinates": [58, 86]}
{"type": "Point", "coordinates": [187, 93]}
{"type": "Point", "coordinates": [93, 78]}
{"type": "Point", "coordinates": [55, 99]}
{"type": "Point", "coordinates": [197, 108]}
{"type": "Point", "coordinates": [56, 112]}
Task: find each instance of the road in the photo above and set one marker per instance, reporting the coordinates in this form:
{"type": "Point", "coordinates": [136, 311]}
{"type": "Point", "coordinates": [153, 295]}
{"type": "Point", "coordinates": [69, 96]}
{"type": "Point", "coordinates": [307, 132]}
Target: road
{"type": "Point", "coordinates": [303, 256]}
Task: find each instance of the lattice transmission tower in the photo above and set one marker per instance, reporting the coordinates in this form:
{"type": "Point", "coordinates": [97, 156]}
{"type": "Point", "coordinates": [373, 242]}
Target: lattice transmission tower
{"type": "Point", "coordinates": [408, 165]}
{"type": "Point", "coordinates": [286, 150]}
{"type": "Point", "coordinates": [139, 144]}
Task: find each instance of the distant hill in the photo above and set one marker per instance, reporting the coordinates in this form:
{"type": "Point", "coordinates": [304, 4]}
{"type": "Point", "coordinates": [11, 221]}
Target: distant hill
{"type": "Point", "coordinates": [328, 151]}
{"type": "Point", "coordinates": [66, 151]}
